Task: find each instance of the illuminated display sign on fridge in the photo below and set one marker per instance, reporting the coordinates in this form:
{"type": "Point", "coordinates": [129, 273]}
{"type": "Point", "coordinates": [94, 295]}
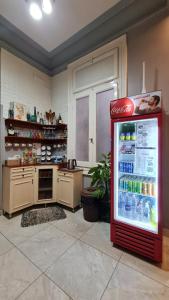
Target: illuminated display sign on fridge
{"type": "Point", "coordinates": [136, 105]}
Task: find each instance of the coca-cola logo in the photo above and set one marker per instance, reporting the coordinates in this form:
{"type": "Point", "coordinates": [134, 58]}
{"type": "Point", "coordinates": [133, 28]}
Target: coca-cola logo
{"type": "Point", "coordinates": [121, 108]}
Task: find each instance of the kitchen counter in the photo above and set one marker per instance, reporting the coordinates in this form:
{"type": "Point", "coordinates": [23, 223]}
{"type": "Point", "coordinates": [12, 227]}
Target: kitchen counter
{"type": "Point", "coordinates": [61, 165]}
{"type": "Point", "coordinates": [70, 170]}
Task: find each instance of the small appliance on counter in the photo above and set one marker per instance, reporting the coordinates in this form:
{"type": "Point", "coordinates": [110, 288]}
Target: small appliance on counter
{"type": "Point", "coordinates": [71, 164]}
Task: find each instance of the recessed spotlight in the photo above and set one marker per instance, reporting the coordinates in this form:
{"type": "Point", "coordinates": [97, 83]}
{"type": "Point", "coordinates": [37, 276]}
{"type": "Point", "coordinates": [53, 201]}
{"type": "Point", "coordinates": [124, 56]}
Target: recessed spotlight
{"type": "Point", "coordinates": [47, 6]}
{"type": "Point", "coordinates": [35, 11]}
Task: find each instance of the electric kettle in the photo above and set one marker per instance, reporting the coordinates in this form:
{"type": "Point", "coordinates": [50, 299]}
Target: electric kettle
{"type": "Point", "coordinates": [71, 164]}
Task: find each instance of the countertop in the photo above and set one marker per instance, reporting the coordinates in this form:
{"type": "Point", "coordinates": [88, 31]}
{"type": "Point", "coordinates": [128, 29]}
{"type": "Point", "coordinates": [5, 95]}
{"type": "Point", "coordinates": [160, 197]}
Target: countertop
{"type": "Point", "coordinates": [70, 170]}
{"type": "Point", "coordinates": [61, 165]}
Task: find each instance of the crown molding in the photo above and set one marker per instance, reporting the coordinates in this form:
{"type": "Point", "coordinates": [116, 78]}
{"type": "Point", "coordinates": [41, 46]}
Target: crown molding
{"type": "Point", "coordinates": [113, 23]}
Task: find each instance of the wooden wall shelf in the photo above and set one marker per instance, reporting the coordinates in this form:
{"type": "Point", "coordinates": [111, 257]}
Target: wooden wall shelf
{"type": "Point", "coordinates": [25, 140]}
{"type": "Point", "coordinates": [31, 125]}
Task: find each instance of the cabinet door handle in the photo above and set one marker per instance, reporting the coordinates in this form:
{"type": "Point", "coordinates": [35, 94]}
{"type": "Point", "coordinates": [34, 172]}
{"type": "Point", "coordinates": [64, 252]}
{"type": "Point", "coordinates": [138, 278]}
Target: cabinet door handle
{"type": "Point", "coordinates": [57, 179]}
{"type": "Point", "coordinates": [32, 181]}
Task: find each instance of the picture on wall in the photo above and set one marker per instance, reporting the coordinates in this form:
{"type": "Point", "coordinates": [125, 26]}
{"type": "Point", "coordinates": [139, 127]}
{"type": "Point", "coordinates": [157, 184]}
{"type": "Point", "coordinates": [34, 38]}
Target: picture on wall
{"type": "Point", "coordinates": [19, 111]}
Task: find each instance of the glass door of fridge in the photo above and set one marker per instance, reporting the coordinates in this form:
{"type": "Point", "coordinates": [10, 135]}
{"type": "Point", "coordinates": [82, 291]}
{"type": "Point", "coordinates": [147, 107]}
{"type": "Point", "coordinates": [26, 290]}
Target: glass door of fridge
{"type": "Point", "coordinates": [136, 173]}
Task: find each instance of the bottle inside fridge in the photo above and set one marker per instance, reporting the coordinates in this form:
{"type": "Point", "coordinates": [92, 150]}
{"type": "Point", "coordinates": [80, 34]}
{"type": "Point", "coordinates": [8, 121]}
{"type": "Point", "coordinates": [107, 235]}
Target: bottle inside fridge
{"type": "Point", "coordinates": [136, 173]}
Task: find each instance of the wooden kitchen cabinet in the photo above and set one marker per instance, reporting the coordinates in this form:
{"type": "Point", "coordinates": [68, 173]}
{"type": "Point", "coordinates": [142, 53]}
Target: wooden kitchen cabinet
{"type": "Point", "coordinates": [69, 187]}
{"type": "Point", "coordinates": [22, 193]}
{"type": "Point", "coordinates": [18, 188]}
{"type": "Point", "coordinates": [29, 185]}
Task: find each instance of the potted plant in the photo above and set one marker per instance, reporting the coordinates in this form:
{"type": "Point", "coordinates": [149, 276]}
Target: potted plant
{"type": "Point", "coordinates": [96, 199]}
{"type": "Point", "coordinates": [101, 182]}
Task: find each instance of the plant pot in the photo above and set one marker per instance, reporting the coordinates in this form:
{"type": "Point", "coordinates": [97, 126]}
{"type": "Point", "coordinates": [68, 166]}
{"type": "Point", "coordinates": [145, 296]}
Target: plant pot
{"type": "Point", "coordinates": [90, 206]}
{"type": "Point", "coordinates": [104, 210]}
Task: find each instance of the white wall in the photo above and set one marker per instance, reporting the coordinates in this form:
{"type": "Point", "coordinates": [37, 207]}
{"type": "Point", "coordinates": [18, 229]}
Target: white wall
{"type": "Point", "coordinates": [20, 82]}
{"type": "Point", "coordinates": [60, 95]}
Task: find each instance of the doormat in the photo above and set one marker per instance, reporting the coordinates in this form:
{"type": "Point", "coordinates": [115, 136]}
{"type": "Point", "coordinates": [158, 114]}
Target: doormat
{"type": "Point", "coordinates": [42, 215]}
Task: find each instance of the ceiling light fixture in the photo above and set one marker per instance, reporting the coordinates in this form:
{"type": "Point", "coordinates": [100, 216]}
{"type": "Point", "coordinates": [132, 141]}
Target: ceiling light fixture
{"type": "Point", "coordinates": [35, 11]}
{"type": "Point", "coordinates": [47, 7]}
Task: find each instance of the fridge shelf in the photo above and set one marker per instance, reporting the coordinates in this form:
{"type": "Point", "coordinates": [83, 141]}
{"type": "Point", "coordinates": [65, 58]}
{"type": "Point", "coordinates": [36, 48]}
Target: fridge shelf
{"type": "Point", "coordinates": [125, 154]}
{"type": "Point", "coordinates": [136, 174]}
{"type": "Point", "coordinates": [45, 189]}
{"type": "Point", "coordinates": [127, 141]}
{"type": "Point", "coordinates": [138, 194]}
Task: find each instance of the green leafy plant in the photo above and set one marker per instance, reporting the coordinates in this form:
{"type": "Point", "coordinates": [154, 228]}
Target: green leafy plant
{"type": "Point", "coordinates": [101, 177]}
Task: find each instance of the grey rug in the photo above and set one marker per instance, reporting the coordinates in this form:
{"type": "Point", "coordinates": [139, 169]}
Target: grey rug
{"type": "Point", "coordinates": [42, 215]}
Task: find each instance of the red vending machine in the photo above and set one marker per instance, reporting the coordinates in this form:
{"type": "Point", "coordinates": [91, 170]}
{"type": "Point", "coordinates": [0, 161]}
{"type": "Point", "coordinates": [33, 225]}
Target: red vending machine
{"type": "Point", "coordinates": [136, 200]}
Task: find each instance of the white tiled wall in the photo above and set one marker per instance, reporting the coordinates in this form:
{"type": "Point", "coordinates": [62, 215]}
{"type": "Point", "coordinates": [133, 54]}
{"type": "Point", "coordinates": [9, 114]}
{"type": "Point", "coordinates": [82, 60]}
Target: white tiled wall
{"type": "Point", "coordinates": [20, 82]}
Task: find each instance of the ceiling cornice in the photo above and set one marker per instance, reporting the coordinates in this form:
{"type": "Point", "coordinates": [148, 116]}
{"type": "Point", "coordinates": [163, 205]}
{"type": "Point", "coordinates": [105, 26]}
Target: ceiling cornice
{"type": "Point", "coordinates": [111, 24]}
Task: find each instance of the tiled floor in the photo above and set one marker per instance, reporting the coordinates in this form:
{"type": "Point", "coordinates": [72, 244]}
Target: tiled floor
{"type": "Point", "coordinates": [72, 259]}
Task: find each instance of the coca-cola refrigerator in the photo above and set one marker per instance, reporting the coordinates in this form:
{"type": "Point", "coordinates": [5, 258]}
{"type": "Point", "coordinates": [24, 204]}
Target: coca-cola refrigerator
{"type": "Point", "coordinates": [136, 199]}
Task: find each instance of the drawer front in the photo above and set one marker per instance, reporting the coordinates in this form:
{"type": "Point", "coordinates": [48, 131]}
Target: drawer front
{"type": "Point", "coordinates": [22, 175]}
{"type": "Point", "coordinates": [22, 170]}
{"type": "Point", "coordinates": [25, 172]}
{"type": "Point", "coordinates": [65, 174]}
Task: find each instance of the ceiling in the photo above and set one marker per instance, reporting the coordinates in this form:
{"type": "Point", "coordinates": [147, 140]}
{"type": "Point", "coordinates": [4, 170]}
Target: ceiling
{"type": "Point", "coordinates": [75, 28]}
{"type": "Point", "coordinates": [68, 17]}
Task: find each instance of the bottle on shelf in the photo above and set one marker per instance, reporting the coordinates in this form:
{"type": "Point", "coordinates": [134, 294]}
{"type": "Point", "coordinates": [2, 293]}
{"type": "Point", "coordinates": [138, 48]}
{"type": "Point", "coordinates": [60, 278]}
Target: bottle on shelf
{"type": "Point", "coordinates": [126, 166]}
{"type": "Point", "coordinates": [11, 130]}
{"type": "Point", "coordinates": [25, 156]}
{"type": "Point", "coordinates": [30, 158]}
{"type": "Point", "coordinates": [133, 206]}
{"type": "Point", "coordinates": [137, 184]}
{"type": "Point", "coordinates": [121, 204]}
{"type": "Point", "coordinates": [34, 154]}
{"type": "Point", "coordinates": [128, 207]}
{"type": "Point", "coordinates": [35, 115]}
{"type": "Point", "coordinates": [38, 117]}
{"type": "Point", "coordinates": [139, 210]}
{"type": "Point", "coordinates": [146, 211]}
{"type": "Point", "coordinates": [122, 136]}
{"type": "Point", "coordinates": [28, 115]}
{"type": "Point", "coordinates": [45, 120]}
{"type": "Point", "coordinates": [60, 121]}
{"type": "Point", "coordinates": [153, 221]}
{"type": "Point", "coordinates": [127, 132]}
{"type": "Point", "coordinates": [41, 119]}
{"type": "Point", "coordinates": [11, 111]}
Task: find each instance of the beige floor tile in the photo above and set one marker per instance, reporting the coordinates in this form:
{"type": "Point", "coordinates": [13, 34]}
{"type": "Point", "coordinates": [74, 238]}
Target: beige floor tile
{"type": "Point", "coordinates": [99, 237]}
{"type": "Point", "coordinates": [16, 273]}
{"type": "Point", "coordinates": [5, 245]}
{"type": "Point", "coordinates": [46, 246]}
{"type": "Point", "coordinates": [74, 224]}
{"type": "Point", "coordinates": [83, 272]}
{"type": "Point", "coordinates": [127, 284]}
{"type": "Point", "coordinates": [17, 234]}
{"type": "Point", "coordinates": [147, 268]}
{"type": "Point", "coordinates": [43, 289]}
